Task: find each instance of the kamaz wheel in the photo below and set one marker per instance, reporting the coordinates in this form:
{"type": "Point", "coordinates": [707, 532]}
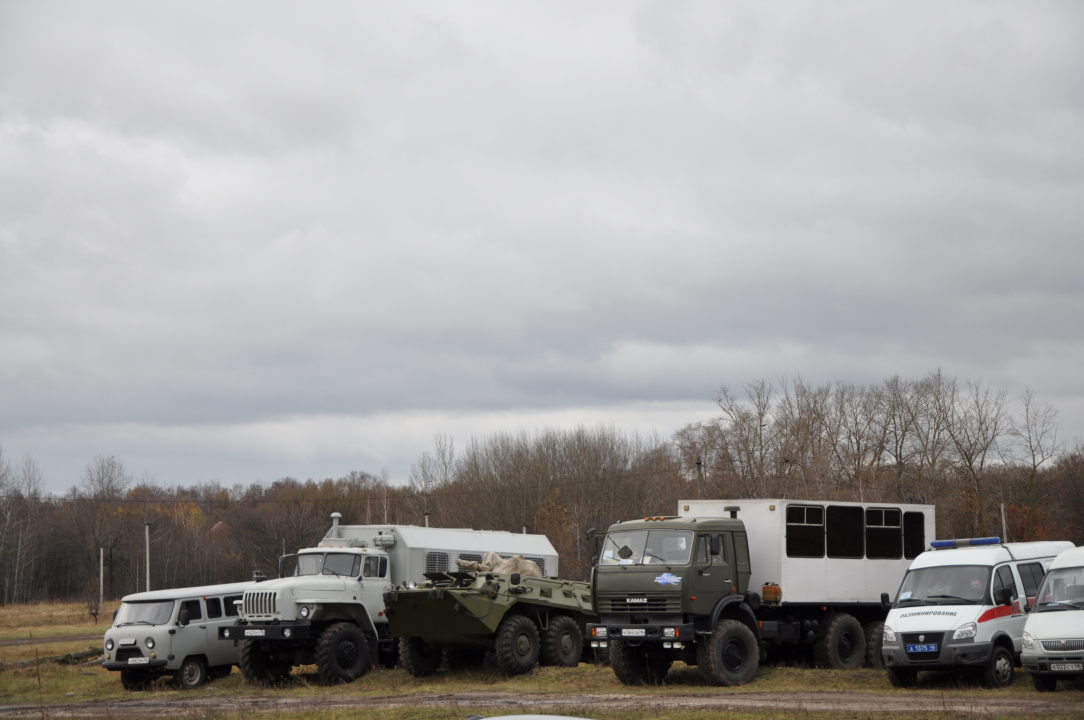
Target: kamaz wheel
{"type": "Point", "coordinates": [342, 654]}
{"type": "Point", "coordinates": [418, 657]}
{"type": "Point", "coordinates": [902, 678]}
{"type": "Point", "coordinates": [998, 673]}
{"type": "Point", "coordinates": [874, 632]}
{"type": "Point", "coordinates": [258, 666]}
{"type": "Point", "coordinates": [729, 656]}
{"type": "Point", "coordinates": [843, 646]}
{"type": "Point", "coordinates": [562, 642]}
{"type": "Point", "coordinates": [134, 681]}
{"type": "Point", "coordinates": [517, 644]}
{"type": "Point", "coordinates": [640, 665]}
{"type": "Point", "coordinates": [191, 674]}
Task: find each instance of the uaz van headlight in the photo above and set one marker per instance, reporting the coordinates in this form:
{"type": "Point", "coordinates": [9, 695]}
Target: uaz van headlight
{"type": "Point", "coordinates": [1029, 642]}
{"type": "Point", "coordinates": [889, 636]}
{"type": "Point", "coordinates": [109, 644]}
{"type": "Point", "coordinates": [304, 611]}
{"type": "Point", "coordinates": [150, 642]}
{"type": "Point", "coordinates": [965, 631]}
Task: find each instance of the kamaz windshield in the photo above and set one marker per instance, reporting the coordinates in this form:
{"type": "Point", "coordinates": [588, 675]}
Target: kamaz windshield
{"type": "Point", "coordinates": [945, 585]}
{"type": "Point", "coordinates": [1063, 589]}
{"type": "Point", "coordinates": [647, 547]}
{"type": "Point", "coordinates": [144, 613]}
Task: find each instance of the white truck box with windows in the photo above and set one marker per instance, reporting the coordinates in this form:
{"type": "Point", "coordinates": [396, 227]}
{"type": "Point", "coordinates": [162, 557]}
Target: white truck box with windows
{"type": "Point", "coordinates": [962, 608]}
{"type": "Point", "coordinates": [1053, 639]}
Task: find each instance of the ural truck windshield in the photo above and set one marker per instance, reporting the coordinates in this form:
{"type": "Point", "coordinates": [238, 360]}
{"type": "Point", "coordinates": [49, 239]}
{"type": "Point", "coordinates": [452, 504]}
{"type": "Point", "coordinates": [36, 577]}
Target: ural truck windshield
{"type": "Point", "coordinates": [647, 547]}
{"type": "Point", "coordinates": [945, 585]}
{"type": "Point", "coordinates": [1062, 589]}
{"type": "Point", "coordinates": [329, 564]}
{"type": "Point", "coordinates": [144, 613]}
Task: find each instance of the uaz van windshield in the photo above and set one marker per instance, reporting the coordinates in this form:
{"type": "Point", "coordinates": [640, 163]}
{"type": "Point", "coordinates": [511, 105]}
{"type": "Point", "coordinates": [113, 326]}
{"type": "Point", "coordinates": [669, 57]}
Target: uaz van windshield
{"type": "Point", "coordinates": [1062, 589]}
{"type": "Point", "coordinates": [647, 547]}
{"type": "Point", "coordinates": [144, 613]}
{"type": "Point", "coordinates": [945, 585]}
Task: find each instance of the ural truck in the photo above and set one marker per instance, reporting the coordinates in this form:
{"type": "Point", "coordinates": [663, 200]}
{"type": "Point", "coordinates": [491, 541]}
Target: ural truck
{"type": "Point", "coordinates": [330, 612]}
{"type": "Point", "coordinates": [720, 591]}
{"type": "Point", "coordinates": [462, 615]}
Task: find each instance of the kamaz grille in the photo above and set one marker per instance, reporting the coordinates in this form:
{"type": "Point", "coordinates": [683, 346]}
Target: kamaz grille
{"type": "Point", "coordinates": [924, 639]}
{"type": "Point", "coordinates": [639, 603]}
{"type": "Point", "coordinates": [1062, 645]}
{"type": "Point", "coordinates": [261, 603]}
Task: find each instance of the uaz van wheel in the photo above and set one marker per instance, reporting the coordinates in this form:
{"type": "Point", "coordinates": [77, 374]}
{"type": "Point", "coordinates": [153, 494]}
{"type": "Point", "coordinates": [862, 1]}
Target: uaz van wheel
{"type": "Point", "coordinates": [191, 674]}
{"type": "Point", "coordinates": [342, 654]}
{"type": "Point", "coordinates": [562, 642]}
{"type": "Point", "coordinates": [418, 657]}
{"type": "Point", "coordinates": [729, 656]}
{"type": "Point", "coordinates": [843, 646]}
{"type": "Point", "coordinates": [517, 644]}
{"type": "Point", "coordinates": [260, 667]}
{"type": "Point", "coordinates": [998, 672]}
{"type": "Point", "coordinates": [639, 665]}
{"type": "Point", "coordinates": [134, 681]}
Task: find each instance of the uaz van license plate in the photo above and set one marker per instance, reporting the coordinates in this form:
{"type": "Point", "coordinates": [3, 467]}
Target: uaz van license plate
{"type": "Point", "coordinates": [632, 632]}
{"type": "Point", "coordinates": [255, 633]}
{"type": "Point", "coordinates": [931, 647]}
{"type": "Point", "coordinates": [137, 661]}
{"type": "Point", "coordinates": [1067, 667]}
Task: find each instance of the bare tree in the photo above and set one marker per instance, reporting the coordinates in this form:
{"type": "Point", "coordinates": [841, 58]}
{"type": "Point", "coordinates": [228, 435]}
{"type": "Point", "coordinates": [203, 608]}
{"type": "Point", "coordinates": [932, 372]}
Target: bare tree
{"type": "Point", "coordinates": [1035, 429]}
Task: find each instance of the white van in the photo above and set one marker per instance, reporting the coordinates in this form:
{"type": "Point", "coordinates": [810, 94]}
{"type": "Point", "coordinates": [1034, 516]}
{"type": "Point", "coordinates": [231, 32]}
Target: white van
{"type": "Point", "coordinates": [1054, 633]}
{"type": "Point", "coordinates": [173, 632]}
{"type": "Point", "coordinates": [962, 608]}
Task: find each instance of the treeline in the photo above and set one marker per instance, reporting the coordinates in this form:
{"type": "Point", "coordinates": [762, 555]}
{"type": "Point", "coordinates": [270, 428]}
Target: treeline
{"type": "Point", "coordinates": [962, 446]}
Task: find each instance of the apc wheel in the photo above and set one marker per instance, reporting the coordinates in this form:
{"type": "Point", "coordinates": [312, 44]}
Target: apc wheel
{"type": "Point", "coordinates": [843, 646]}
{"type": "Point", "coordinates": [418, 657]}
{"type": "Point", "coordinates": [517, 644]}
{"type": "Point", "coordinates": [1045, 683]}
{"type": "Point", "coordinates": [902, 678]}
{"type": "Point", "coordinates": [874, 632]}
{"type": "Point", "coordinates": [191, 674]}
{"type": "Point", "coordinates": [729, 656]}
{"type": "Point", "coordinates": [342, 654]}
{"type": "Point", "coordinates": [562, 643]}
{"type": "Point", "coordinates": [998, 673]}
{"type": "Point", "coordinates": [134, 681]}
{"type": "Point", "coordinates": [638, 665]}
{"type": "Point", "coordinates": [258, 666]}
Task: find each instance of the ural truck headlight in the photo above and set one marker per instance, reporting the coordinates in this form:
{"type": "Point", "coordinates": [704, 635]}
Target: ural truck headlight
{"type": "Point", "coordinates": [287, 632]}
{"type": "Point", "coordinates": [150, 642]}
{"type": "Point", "coordinates": [109, 644]}
{"type": "Point", "coordinates": [889, 636]}
{"type": "Point", "coordinates": [304, 612]}
{"type": "Point", "coordinates": [1029, 642]}
{"type": "Point", "coordinates": [965, 631]}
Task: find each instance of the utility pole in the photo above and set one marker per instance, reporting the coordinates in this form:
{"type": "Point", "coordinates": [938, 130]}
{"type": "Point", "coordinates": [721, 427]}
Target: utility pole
{"type": "Point", "coordinates": [1004, 527]}
{"type": "Point", "coordinates": [147, 532]}
{"type": "Point", "coordinates": [101, 578]}
{"type": "Point", "coordinates": [699, 478]}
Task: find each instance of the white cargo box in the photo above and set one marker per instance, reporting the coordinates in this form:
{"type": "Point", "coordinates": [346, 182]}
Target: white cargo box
{"type": "Point", "coordinates": [826, 552]}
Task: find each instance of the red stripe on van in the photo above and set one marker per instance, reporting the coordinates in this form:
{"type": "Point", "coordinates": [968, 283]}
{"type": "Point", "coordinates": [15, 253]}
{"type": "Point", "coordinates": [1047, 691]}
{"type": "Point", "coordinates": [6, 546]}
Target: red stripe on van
{"type": "Point", "coordinates": [995, 612]}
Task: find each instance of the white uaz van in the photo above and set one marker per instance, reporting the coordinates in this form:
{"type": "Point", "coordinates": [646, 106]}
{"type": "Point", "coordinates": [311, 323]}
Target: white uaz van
{"type": "Point", "coordinates": [1054, 633]}
{"type": "Point", "coordinates": [173, 632]}
{"type": "Point", "coordinates": [962, 607]}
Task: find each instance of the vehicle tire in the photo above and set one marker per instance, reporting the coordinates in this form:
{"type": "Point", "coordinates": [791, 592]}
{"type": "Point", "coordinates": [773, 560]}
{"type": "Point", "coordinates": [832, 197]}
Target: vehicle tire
{"type": "Point", "coordinates": [418, 657]}
{"type": "Point", "coordinates": [134, 681]}
{"type": "Point", "coordinates": [874, 632]}
{"type": "Point", "coordinates": [638, 665]}
{"type": "Point", "coordinates": [388, 655]}
{"type": "Point", "coordinates": [259, 668]}
{"type": "Point", "coordinates": [902, 678]}
{"type": "Point", "coordinates": [191, 674]}
{"type": "Point", "coordinates": [342, 654]}
{"type": "Point", "coordinates": [729, 656]}
{"type": "Point", "coordinates": [562, 643]}
{"type": "Point", "coordinates": [843, 646]}
{"type": "Point", "coordinates": [458, 657]}
{"type": "Point", "coordinates": [219, 672]}
{"type": "Point", "coordinates": [1045, 683]}
{"type": "Point", "coordinates": [998, 673]}
{"type": "Point", "coordinates": [518, 644]}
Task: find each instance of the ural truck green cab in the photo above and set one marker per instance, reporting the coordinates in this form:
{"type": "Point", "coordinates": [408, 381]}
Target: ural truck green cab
{"type": "Point", "coordinates": [670, 588]}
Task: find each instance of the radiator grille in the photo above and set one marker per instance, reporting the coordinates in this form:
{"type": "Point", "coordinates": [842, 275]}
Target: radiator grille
{"type": "Point", "coordinates": [125, 653]}
{"type": "Point", "coordinates": [924, 639]}
{"type": "Point", "coordinates": [1062, 645]}
{"type": "Point", "coordinates": [639, 602]}
{"type": "Point", "coordinates": [261, 603]}
{"type": "Point", "coordinates": [436, 562]}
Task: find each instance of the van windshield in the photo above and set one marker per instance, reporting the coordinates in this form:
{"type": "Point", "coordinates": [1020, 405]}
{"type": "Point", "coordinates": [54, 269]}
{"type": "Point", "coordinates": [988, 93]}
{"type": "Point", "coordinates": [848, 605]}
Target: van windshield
{"type": "Point", "coordinates": [647, 547]}
{"type": "Point", "coordinates": [144, 613]}
{"type": "Point", "coordinates": [1063, 589]}
{"type": "Point", "coordinates": [945, 585]}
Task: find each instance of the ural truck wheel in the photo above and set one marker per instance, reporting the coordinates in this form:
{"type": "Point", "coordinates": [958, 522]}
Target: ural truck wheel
{"type": "Point", "coordinates": [562, 642]}
{"type": "Point", "coordinates": [638, 665]}
{"type": "Point", "coordinates": [1045, 683]}
{"type": "Point", "coordinates": [517, 645]}
{"type": "Point", "coordinates": [998, 673]}
{"type": "Point", "coordinates": [843, 646]}
{"type": "Point", "coordinates": [191, 674]}
{"type": "Point", "coordinates": [134, 681]}
{"type": "Point", "coordinates": [874, 632]}
{"type": "Point", "coordinates": [902, 678]}
{"type": "Point", "coordinates": [419, 658]}
{"type": "Point", "coordinates": [259, 668]}
{"type": "Point", "coordinates": [729, 656]}
{"type": "Point", "coordinates": [342, 654]}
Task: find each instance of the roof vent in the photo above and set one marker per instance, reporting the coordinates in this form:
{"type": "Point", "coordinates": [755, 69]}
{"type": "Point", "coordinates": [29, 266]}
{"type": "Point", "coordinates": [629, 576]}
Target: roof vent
{"type": "Point", "coordinates": [732, 509]}
{"type": "Point", "coordinates": [335, 524]}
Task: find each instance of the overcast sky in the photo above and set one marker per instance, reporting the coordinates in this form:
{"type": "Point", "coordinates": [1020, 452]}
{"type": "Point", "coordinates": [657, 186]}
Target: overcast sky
{"type": "Point", "coordinates": [240, 241]}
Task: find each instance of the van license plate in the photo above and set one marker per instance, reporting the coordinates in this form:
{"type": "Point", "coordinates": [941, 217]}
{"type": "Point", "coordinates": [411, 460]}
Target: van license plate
{"type": "Point", "coordinates": [633, 632]}
{"type": "Point", "coordinates": [931, 647]}
{"type": "Point", "coordinates": [1067, 667]}
{"type": "Point", "coordinates": [255, 633]}
{"type": "Point", "coordinates": [138, 661]}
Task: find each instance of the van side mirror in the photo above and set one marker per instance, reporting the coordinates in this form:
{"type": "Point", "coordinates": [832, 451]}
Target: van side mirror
{"type": "Point", "coordinates": [886, 602]}
{"type": "Point", "coordinates": [1003, 596]}
{"type": "Point", "coordinates": [716, 544]}
{"type": "Point", "coordinates": [183, 617]}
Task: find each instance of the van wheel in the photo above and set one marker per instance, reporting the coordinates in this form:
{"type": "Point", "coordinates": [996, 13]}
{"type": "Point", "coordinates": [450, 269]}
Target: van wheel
{"type": "Point", "coordinates": [1045, 683]}
{"type": "Point", "coordinates": [638, 665]}
{"type": "Point", "coordinates": [998, 673]}
{"type": "Point", "coordinates": [419, 658]}
{"type": "Point", "coordinates": [843, 646]}
{"type": "Point", "coordinates": [902, 678]}
{"type": "Point", "coordinates": [874, 632]}
{"type": "Point", "coordinates": [134, 681]}
{"type": "Point", "coordinates": [191, 674]}
{"type": "Point", "coordinates": [517, 644]}
{"type": "Point", "coordinates": [730, 656]}
{"type": "Point", "coordinates": [259, 666]}
{"type": "Point", "coordinates": [562, 642]}
{"type": "Point", "coordinates": [342, 654]}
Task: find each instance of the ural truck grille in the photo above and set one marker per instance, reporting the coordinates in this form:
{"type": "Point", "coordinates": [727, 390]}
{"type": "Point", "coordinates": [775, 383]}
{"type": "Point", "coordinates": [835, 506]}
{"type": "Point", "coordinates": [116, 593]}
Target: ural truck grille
{"type": "Point", "coordinates": [261, 603]}
{"type": "Point", "coordinates": [927, 639]}
{"type": "Point", "coordinates": [639, 603]}
{"type": "Point", "coordinates": [1062, 645]}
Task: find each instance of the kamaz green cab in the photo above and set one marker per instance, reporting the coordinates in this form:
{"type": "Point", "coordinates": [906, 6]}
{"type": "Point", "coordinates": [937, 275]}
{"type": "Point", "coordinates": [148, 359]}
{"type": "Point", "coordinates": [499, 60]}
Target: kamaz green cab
{"type": "Point", "coordinates": [670, 588]}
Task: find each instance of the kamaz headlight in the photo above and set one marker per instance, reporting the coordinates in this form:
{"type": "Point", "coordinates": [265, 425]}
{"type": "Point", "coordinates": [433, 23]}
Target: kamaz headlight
{"type": "Point", "coordinates": [668, 632]}
{"type": "Point", "coordinates": [965, 631]}
{"type": "Point", "coordinates": [889, 636]}
{"type": "Point", "coordinates": [304, 611]}
{"type": "Point", "coordinates": [109, 644]}
{"type": "Point", "coordinates": [1029, 642]}
{"type": "Point", "coordinates": [150, 642]}
{"type": "Point", "coordinates": [600, 632]}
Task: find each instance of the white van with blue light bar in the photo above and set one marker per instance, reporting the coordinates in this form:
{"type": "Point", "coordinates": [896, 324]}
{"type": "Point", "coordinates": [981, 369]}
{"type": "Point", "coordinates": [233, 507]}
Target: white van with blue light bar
{"type": "Point", "coordinates": [1054, 633]}
{"type": "Point", "coordinates": [963, 607]}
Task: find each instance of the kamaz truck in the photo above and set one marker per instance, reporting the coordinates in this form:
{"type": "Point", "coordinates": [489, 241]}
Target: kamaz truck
{"type": "Point", "coordinates": [725, 581]}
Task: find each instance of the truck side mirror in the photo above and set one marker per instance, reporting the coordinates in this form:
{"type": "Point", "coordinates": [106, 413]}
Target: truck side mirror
{"type": "Point", "coordinates": [282, 566]}
{"type": "Point", "coordinates": [716, 544]}
{"type": "Point", "coordinates": [593, 537]}
{"type": "Point", "coordinates": [183, 617]}
{"type": "Point", "coordinates": [1003, 596]}
{"type": "Point", "coordinates": [886, 602]}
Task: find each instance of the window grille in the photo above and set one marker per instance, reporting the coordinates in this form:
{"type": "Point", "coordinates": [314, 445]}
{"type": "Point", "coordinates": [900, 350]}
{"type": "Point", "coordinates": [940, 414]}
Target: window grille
{"type": "Point", "coordinates": [436, 562]}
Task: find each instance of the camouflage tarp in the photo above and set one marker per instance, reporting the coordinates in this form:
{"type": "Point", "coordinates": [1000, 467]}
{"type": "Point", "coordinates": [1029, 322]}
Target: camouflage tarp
{"type": "Point", "coordinates": [494, 563]}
